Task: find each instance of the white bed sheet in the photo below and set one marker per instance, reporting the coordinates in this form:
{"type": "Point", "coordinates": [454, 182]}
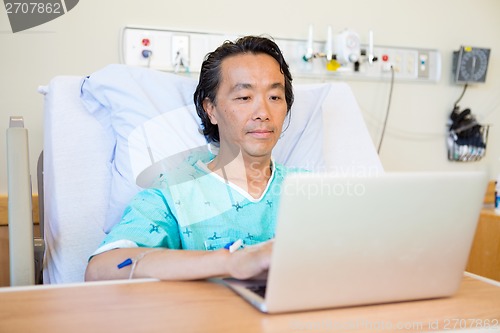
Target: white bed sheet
{"type": "Point", "coordinates": [76, 181]}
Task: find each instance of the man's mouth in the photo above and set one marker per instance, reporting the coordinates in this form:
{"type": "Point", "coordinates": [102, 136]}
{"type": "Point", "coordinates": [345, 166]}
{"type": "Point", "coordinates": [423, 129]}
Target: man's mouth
{"type": "Point", "coordinates": [261, 133]}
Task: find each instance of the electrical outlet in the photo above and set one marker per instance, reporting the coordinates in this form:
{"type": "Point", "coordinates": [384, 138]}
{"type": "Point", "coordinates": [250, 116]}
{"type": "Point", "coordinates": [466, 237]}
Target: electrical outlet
{"type": "Point", "coordinates": [180, 50]}
{"type": "Point", "coordinates": [402, 61]}
{"type": "Point", "coordinates": [146, 48]}
{"type": "Point", "coordinates": [423, 64]}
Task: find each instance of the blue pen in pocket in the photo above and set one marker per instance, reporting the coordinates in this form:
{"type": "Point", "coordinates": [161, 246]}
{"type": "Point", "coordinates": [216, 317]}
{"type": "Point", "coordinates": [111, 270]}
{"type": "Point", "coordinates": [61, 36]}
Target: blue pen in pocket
{"type": "Point", "coordinates": [234, 246]}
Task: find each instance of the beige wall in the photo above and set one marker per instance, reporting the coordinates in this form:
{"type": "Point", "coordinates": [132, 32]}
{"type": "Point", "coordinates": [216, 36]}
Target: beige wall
{"type": "Point", "coordinates": [86, 39]}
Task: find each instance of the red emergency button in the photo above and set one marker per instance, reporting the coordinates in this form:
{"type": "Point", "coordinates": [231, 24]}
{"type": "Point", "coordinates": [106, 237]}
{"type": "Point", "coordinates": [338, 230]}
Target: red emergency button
{"type": "Point", "coordinates": [146, 41]}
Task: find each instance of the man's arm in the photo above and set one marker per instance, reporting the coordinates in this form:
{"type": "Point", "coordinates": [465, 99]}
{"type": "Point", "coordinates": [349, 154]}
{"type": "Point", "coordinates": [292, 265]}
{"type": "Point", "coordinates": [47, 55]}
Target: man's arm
{"type": "Point", "coordinates": [166, 264]}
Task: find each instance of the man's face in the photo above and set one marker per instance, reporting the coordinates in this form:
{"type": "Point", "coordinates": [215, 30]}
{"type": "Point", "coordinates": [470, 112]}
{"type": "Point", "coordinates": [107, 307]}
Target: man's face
{"type": "Point", "coordinates": [250, 105]}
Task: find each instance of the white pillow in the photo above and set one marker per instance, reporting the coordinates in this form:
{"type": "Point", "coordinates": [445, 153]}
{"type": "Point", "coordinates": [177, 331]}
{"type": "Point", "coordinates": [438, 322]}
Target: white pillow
{"type": "Point", "coordinates": [152, 116]}
{"type": "Point", "coordinates": [156, 126]}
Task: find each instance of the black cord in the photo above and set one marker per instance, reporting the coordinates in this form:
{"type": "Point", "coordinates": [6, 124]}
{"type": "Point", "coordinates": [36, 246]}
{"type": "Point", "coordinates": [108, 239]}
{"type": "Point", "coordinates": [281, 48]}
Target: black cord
{"type": "Point", "coordinates": [387, 112]}
{"type": "Point", "coordinates": [462, 95]}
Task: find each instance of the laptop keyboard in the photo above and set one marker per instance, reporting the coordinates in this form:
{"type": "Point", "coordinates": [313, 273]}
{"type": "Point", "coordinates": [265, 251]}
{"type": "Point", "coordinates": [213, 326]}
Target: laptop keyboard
{"type": "Point", "coordinates": [258, 289]}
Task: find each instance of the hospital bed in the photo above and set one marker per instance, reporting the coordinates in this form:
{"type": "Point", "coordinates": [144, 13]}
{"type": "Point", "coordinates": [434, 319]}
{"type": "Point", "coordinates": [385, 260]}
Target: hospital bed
{"type": "Point", "coordinates": [108, 134]}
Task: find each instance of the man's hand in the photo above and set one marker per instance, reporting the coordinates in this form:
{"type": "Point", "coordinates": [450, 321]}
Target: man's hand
{"type": "Point", "coordinates": [250, 261]}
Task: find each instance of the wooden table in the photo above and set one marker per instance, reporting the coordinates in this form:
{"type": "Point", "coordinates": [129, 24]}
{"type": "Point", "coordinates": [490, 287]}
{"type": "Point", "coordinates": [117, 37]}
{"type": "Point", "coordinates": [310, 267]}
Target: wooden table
{"type": "Point", "coordinates": [202, 306]}
{"type": "Point", "coordinates": [484, 258]}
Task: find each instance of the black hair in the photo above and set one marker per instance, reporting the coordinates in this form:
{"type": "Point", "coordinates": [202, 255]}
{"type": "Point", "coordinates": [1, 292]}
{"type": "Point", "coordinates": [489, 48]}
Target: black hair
{"type": "Point", "coordinates": [210, 74]}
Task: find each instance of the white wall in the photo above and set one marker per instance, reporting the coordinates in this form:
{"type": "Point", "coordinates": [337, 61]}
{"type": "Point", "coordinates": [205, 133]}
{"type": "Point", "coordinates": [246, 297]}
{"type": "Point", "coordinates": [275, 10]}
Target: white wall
{"type": "Point", "coordinates": [86, 39]}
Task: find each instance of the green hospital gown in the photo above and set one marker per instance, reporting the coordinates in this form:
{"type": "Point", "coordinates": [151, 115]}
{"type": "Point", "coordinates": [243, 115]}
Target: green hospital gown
{"type": "Point", "coordinates": [193, 208]}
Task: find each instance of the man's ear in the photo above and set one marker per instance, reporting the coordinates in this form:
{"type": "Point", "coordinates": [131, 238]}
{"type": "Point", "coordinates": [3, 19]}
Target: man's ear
{"type": "Point", "coordinates": [209, 108]}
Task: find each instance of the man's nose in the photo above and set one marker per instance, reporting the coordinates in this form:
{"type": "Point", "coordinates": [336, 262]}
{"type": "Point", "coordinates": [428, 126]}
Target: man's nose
{"type": "Point", "coordinates": [262, 109]}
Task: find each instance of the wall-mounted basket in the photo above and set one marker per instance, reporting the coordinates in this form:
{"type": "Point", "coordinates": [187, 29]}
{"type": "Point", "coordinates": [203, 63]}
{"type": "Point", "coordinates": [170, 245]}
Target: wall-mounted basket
{"type": "Point", "coordinates": [467, 139]}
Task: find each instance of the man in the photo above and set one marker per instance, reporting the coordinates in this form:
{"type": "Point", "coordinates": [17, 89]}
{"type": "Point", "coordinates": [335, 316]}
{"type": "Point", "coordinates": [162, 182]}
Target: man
{"type": "Point", "coordinates": [182, 228]}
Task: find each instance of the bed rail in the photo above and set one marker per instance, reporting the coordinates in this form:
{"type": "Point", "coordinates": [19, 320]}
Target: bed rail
{"type": "Point", "coordinates": [21, 241]}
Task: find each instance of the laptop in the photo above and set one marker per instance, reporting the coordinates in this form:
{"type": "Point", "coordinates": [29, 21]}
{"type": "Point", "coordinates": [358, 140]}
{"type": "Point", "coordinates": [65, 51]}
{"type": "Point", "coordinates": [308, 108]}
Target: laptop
{"type": "Point", "coordinates": [348, 241]}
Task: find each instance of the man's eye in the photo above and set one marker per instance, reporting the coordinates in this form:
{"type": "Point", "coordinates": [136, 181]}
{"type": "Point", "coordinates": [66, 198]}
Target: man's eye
{"type": "Point", "coordinates": [243, 98]}
{"type": "Point", "coordinates": [275, 98]}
